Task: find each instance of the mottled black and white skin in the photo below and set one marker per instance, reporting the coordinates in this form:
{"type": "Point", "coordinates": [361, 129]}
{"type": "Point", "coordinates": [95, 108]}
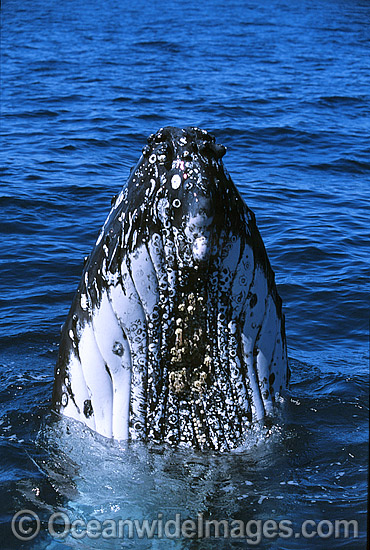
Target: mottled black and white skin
{"type": "Point", "coordinates": [176, 332]}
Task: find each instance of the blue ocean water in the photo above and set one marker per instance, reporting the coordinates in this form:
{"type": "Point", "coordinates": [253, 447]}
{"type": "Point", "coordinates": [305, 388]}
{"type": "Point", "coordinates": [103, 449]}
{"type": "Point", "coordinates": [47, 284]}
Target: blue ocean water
{"type": "Point", "coordinates": [285, 86]}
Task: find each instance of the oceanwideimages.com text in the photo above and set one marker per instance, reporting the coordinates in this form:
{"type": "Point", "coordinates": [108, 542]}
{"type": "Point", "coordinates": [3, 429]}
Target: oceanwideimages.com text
{"type": "Point", "coordinates": [26, 525]}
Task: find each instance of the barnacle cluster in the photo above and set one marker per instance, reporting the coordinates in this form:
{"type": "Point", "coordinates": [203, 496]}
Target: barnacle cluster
{"type": "Point", "coordinates": [191, 362]}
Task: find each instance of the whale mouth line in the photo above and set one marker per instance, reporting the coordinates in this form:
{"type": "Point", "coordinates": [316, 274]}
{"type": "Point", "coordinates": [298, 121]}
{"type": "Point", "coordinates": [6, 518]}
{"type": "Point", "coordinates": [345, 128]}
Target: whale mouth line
{"type": "Point", "coordinates": [176, 332]}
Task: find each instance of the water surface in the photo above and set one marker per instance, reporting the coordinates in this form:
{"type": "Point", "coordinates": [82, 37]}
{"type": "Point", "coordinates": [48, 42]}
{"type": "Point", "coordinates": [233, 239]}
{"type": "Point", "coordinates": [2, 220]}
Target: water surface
{"type": "Point", "coordinates": [285, 86]}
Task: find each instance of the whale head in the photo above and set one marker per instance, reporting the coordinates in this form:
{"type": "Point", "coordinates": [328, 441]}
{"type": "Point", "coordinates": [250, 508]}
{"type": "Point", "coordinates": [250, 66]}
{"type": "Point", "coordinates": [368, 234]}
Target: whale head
{"type": "Point", "coordinates": [180, 184]}
{"type": "Point", "coordinates": [176, 333]}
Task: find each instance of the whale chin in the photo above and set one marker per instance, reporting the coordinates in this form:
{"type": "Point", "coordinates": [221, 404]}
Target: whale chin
{"type": "Point", "coordinates": [176, 332]}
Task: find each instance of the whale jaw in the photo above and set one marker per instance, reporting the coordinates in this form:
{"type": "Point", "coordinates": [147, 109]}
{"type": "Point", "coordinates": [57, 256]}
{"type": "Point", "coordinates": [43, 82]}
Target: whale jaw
{"type": "Point", "coordinates": [176, 332]}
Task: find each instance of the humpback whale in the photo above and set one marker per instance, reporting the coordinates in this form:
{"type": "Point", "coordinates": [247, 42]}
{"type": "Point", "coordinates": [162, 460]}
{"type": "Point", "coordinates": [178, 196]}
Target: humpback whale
{"type": "Point", "coordinates": [176, 332]}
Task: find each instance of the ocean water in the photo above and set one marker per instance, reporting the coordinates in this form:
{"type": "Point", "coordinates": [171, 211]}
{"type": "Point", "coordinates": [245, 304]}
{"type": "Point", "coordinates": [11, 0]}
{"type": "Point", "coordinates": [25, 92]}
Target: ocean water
{"type": "Point", "coordinates": [284, 85]}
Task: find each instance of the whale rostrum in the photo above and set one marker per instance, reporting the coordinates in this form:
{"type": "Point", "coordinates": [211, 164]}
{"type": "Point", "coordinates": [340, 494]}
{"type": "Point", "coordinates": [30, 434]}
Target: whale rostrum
{"type": "Point", "coordinates": [176, 332]}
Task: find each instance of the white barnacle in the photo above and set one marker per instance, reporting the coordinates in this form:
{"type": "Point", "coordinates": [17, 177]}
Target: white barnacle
{"type": "Point", "coordinates": [84, 302]}
{"type": "Point", "coordinates": [64, 399]}
{"type": "Point", "coordinates": [176, 203]}
{"type": "Point", "coordinates": [176, 181]}
{"type": "Point", "coordinates": [150, 189]}
{"type": "Point", "coordinates": [162, 206]}
{"type": "Point", "coordinates": [112, 278]}
{"type": "Point", "coordinates": [200, 248]}
{"type": "Point", "coordinates": [152, 158]}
